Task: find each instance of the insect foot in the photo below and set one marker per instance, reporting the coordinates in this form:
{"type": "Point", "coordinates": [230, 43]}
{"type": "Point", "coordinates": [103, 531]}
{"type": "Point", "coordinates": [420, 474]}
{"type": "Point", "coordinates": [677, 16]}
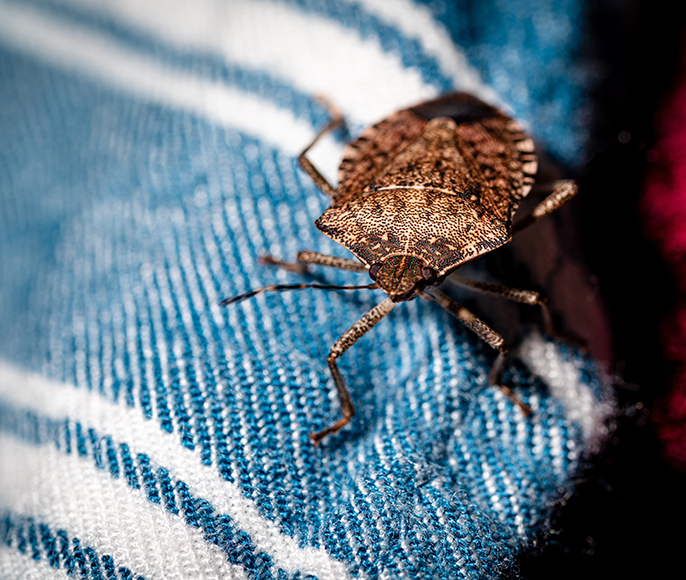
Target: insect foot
{"type": "Point", "coordinates": [419, 194]}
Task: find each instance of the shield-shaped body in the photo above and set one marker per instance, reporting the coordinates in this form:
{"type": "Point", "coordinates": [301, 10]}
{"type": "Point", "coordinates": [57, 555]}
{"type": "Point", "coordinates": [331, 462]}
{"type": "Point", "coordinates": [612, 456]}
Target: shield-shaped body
{"type": "Point", "coordinates": [439, 182]}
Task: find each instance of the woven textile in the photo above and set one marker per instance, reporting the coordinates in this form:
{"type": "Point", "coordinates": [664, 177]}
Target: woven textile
{"type": "Point", "coordinates": [148, 158]}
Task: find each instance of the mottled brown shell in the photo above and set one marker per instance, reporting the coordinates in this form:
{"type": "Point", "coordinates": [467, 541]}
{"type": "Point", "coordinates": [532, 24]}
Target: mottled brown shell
{"type": "Point", "coordinates": [440, 181]}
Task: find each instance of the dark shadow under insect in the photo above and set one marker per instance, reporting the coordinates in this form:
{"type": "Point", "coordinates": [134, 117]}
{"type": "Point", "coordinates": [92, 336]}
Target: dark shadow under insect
{"type": "Point", "coordinates": [420, 194]}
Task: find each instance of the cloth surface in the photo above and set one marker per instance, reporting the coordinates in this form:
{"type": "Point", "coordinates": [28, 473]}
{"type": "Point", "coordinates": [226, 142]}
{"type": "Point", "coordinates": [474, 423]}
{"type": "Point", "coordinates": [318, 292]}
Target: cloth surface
{"type": "Point", "coordinates": [148, 158]}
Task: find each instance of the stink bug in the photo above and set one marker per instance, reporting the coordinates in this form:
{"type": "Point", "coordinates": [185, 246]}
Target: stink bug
{"type": "Point", "coordinates": [420, 194]}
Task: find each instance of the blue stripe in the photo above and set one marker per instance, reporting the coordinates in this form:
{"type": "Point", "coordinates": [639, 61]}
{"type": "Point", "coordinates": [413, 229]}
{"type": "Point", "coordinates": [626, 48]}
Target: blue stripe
{"type": "Point", "coordinates": [143, 389]}
{"type": "Point", "coordinates": [129, 467]}
{"type": "Point", "coordinates": [178, 406]}
{"type": "Point", "coordinates": [79, 558]}
{"type": "Point", "coordinates": [49, 546]}
{"type": "Point", "coordinates": [65, 551]}
{"type": "Point", "coordinates": [95, 445]}
{"type": "Point", "coordinates": [167, 490]}
{"type": "Point", "coordinates": [149, 480]}
{"type": "Point", "coordinates": [112, 459]}
{"type": "Point", "coordinates": [67, 437]}
{"type": "Point", "coordinates": [161, 392]}
{"type": "Point", "coordinates": [80, 441]}
{"type": "Point", "coordinates": [109, 567]}
{"type": "Point", "coordinates": [129, 387]}
{"type": "Point", "coordinates": [196, 396]}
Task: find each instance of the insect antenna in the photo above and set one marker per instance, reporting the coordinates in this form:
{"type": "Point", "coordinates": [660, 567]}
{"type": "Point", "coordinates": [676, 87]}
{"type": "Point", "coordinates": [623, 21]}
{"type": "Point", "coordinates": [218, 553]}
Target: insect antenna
{"type": "Point", "coordinates": [283, 287]}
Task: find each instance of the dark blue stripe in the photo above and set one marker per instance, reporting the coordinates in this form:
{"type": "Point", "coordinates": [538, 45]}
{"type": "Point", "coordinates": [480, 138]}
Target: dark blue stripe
{"type": "Point", "coordinates": [224, 445]}
{"type": "Point", "coordinates": [94, 562]}
{"type": "Point", "coordinates": [33, 541]}
{"type": "Point", "coordinates": [109, 567]}
{"type": "Point", "coordinates": [129, 467]}
{"type": "Point", "coordinates": [49, 546]}
{"type": "Point", "coordinates": [144, 390]}
{"type": "Point", "coordinates": [97, 449]}
{"type": "Point", "coordinates": [66, 427]}
{"type": "Point", "coordinates": [112, 460]}
{"type": "Point", "coordinates": [202, 437]}
{"type": "Point", "coordinates": [79, 558]}
{"type": "Point", "coordinates": [128, 385]}
{"type": "Point", "coordinates": [167, 490]}
{"type": "Point", "coordinates": [80, 441]}
{"type": "Point", "coordinates": [149, 480]}
{"type": "Point", "coordinates": [179, 409]}
{"type": "Point", "coordinates": [187, 504]}
{"type": "Point", "coordinates": [65, 552]}
{"type": "Point", "coordinates": [268, 434]}
{"type": "Point", "coordinates": [161, 392]}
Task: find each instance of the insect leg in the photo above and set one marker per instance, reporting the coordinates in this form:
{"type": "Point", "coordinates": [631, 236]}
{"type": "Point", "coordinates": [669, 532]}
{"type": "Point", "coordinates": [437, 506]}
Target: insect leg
{"type": "Point", "coordinates": [286, 287]}
{"type": "Point", "coordinates": [561, 195]}
{"type": "Point", "coordinates": [487, 334]}
{"type": "Point", "coordinates": [307, 257]}
{"type": "Point", "coordinates": [514, 294]}
{"type": "Point", "coordinates": [306, 164]}
{"type": "Point", "coordinates": [349, 337]}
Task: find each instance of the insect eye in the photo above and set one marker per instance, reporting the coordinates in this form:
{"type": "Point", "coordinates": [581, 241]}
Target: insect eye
{"type": "Point", "coordinates": [374, 271]}
{"type": "Point", "coordinates": [429, 274]}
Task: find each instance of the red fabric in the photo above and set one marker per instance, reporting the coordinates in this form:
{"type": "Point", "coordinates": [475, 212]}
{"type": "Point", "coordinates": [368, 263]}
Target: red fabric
{"type": "Point", "coordinates": [664, 210]}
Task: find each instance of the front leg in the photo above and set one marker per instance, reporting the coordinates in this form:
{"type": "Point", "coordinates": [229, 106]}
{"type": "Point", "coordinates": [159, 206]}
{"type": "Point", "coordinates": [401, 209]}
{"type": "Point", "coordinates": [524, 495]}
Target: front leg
{"type": "Point", "coordinates": [349, 337]}
{"type": "Point", "coordinates": [307, 257]}
{"type": "Point", "coordinates": [487, 334]}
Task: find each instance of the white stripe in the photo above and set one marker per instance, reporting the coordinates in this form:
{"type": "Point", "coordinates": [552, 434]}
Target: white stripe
{"type": "Point", "coordinates": [563, 379]}
{"type": "Point", "coordinates": [77, 49]}
{"type": "Point", "coordinates": [417, 22]}
{"type": "Point", "coordinates": [126, 425]}
{"type": "Point", "coordinates": [14, 564]}
{"type": "Point", "coordinates": [313, 53]}
{"type": "Point", "coordinates": [68, 492]}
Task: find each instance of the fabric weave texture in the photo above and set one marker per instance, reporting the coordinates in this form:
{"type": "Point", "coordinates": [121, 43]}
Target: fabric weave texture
{"type": "Point", "coordinates": [148, 158]}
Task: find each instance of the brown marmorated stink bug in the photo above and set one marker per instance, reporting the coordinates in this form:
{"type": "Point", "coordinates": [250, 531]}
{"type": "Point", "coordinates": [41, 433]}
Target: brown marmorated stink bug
{"type": "Point", "coordinates": [420, 194]}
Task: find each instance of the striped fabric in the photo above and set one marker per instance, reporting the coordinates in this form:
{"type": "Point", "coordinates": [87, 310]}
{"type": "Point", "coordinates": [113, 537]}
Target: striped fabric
{"type": "Point", "coordinates": [148, 157]}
